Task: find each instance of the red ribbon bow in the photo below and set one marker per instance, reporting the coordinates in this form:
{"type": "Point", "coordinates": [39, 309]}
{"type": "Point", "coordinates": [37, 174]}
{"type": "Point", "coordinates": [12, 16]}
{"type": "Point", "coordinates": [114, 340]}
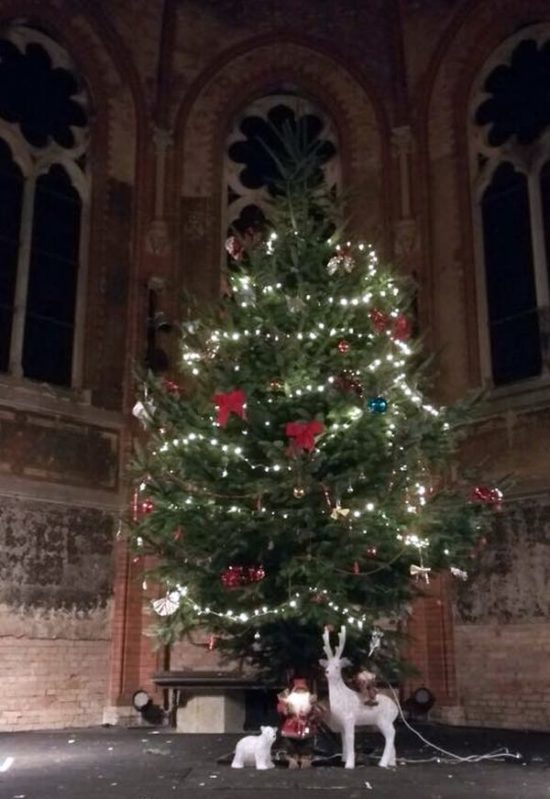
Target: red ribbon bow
{"type": "Point", "coordinates": [487, 496]}
{"type": "Point", "coordinates": [230, 402]}
{"type": "Point", "coordinates": [303, 433]}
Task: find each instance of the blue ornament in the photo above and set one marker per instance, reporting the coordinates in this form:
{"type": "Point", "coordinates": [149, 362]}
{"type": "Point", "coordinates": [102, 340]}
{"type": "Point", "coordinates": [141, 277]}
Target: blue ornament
{"type": "Point", "coordinates": [377, 405]}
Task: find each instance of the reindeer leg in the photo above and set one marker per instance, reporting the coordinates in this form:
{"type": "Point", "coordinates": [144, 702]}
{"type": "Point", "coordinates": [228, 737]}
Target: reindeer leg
{"type": "Point", "coordinates": [388, 755]}
{"type": "Point", "coordinates": [348, 743]}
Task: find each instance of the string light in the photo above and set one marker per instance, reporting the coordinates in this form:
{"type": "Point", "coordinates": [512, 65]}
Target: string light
{"type": "Point", "coordinates": [180, 595]}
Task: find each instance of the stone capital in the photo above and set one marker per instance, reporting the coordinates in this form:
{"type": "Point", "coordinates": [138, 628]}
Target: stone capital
{"type": "Point", "coordinates": [162, 139]}
{"type": "Point", "coordinates": [401, 139]}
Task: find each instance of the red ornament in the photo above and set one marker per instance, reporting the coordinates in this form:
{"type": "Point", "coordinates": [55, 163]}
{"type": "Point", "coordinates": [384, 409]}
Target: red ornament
{"type": "Point", "coordinates": [228, 403]}
{"type": "Point", "coordinates": [140, 507]}
{"type": "Point", "coordinates": [177, 534]}
{"type": "Point", "coordinates": [401, 328]}
{"type": "Point", "coordinates": [346, 381]}
{"type": "Point", "coordinates": [303, 434]}
{"type": "Point", "coordinates": [371, 552]}
{"type": "Point", "coordinates": [318, 599]}
{"type": "Point", "coordinates": [237, 576]}
{"type": "Point", "coordinates": [171, 387]}
{"type": "Point", "coordinates": [235, 248]}
{"type": "Point", "coordinates": [212, 643]}
{"type": "Point", "coordinates": [487, 496]}
{"type": "Point", "coordinates": [379, 319]}
{"type": "Point", "coordinates": [343, 346]}
{"type": "Point", "coordinates": [356, 569]}
{"type": "Point", "coordinates": [478, 548]}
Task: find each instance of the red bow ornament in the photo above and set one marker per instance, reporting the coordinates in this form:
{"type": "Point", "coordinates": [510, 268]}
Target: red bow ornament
{"type": "Point", "coordinates": [401, 328]}
{"type": "Point", "coordinates": [487, 496]}
{"type": "Point", "coordinates": [235, 248]}
{"type": "Point", "coordinates": [228, 403]}
{"type": "Point", "coordinates": [303, 434]}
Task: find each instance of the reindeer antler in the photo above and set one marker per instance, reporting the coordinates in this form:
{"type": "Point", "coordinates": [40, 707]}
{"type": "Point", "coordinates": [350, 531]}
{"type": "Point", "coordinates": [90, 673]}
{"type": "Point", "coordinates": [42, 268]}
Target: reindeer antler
{"type": "Point", "coordinates": [326, 644]}
{"type": "Point", "coordinates": [341, 642]}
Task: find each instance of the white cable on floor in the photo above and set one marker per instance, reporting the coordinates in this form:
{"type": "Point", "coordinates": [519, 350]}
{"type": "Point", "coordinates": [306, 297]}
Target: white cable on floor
{"type": "Point", "coordinates": [499, 754]}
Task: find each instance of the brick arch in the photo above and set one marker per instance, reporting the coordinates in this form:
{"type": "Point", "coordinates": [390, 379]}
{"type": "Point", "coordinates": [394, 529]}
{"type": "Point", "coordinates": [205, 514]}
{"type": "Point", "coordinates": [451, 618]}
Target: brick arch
{"type": "Point", "coordinates": [443, 98]}
{"type": "Point", "coordinates": [98, 53]}
{"type": "Point", "coordinates": [476, 31]}
{"type": "Point", "coordinates": [118, 126]}
{"type": "Point", "coordinates": [203, 122]}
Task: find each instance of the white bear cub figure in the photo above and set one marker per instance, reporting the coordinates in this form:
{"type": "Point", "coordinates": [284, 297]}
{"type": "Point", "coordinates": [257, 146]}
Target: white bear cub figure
{"type": "Point", "coordinates": [255, 750]}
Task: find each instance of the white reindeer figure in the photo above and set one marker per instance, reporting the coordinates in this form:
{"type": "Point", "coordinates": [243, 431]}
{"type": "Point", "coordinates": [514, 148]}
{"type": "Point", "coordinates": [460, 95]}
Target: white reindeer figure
{"type": "Point", "coordinates": [348, 711]}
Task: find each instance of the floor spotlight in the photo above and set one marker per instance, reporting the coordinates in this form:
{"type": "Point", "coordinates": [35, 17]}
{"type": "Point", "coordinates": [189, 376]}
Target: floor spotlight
{"type": "Point", "coordinates": [419, 703]}
{"type": "Point", "coordinates": [151, 713]}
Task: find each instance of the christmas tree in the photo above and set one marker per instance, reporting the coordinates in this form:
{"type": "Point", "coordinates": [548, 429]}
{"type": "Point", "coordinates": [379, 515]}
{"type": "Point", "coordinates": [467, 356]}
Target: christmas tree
{"type": "Point", "coordinates": [294, 475]}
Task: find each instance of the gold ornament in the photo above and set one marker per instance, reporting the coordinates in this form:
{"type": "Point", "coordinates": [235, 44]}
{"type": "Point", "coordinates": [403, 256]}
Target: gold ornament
{"type": "Point", "coordinates": [339, 512]}
{"type": "Point", "coordinates": [298, 492]}
{"type": "Point", "coordinates": [276, 384]}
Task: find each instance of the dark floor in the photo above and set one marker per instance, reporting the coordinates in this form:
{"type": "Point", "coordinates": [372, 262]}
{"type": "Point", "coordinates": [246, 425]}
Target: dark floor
{"type": "Point", "coordinates": [114, 763]}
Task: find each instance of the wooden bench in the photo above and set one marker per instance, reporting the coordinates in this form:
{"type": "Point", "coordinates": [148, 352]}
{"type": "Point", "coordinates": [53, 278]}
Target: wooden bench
{"type": "Point", "coordinates": [214, 701]}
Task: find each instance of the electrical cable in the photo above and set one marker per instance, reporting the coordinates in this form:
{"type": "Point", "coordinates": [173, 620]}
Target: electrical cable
{"type": "Point", "coordinates": [454, 758]}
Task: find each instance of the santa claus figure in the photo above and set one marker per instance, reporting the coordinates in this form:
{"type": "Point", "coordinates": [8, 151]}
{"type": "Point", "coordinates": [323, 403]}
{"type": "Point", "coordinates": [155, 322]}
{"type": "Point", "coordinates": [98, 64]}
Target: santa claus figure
{"type": "Point", "coordinates": [297, 706]}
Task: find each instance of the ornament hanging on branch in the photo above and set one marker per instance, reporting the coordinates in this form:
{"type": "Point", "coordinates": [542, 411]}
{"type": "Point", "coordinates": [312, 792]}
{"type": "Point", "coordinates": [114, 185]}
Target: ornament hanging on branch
{"type": "Point", "coordinates": [319, 598]}
{"type": "Point", "coordinates": [167, 605]}
{"type": "Point", "coordinates": [401, 328]}
{"type": "Point", "coordinates": [235, 248]}
{"type": "Point", "coordinates": [459, 573]}
{"type": "Point", "coordinates": [295, 304]}
{"type": "Point", "coordinates": [144, 411]}
{"type": "Point", "coordinates": [338, 512]}
{"type": "Point", "coordinates": [420, 572]}
{"type": "Point", "coordinates": [299, 492]}
{"type": "Point", "coordinates": [326, 494]}
{"type": "Point", "coordinates": [487, 496]}
{"type": "Point", "coordinates": [302, 434]}
{"type": "Point", "coordinates": [478, 548]}
{"type": "Point", "coordinates": [344, 346]}
{"type": "Point", "coordinates": [228, 403]}
{"type": "Point", "coordinates": [140, 507]}
{"type": "Point", "coordinates": [346, 381]}
{"type": "Point", "coordinates": [341, 261]}
{"type": "Point", "coordinates": [239, 576]}
{"type": "Point", "coordinates": [380, 320]}
{"type": "Point", "coordinates": [171, 387]}
{"type": "Point", "coordinates": [377, 405]}
{"type": "Point", "coordinates": [276, 385]}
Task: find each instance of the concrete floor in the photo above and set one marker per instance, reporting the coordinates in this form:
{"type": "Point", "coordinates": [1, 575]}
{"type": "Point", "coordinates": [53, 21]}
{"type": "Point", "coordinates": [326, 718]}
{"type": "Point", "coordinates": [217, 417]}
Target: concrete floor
{"type": "Point", "coordinates": [114, 763]}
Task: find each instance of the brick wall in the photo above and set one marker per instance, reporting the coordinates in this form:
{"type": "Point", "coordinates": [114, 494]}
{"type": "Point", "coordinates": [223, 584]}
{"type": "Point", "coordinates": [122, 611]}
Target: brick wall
{"type": "Point", "coordinates": [488, 663]}
{"type": "Point", "coordinates": [504, 675]}
{"type": "Point", "coordinates": [55, 613]}
{"type": "Point", "coordinates": [52, 683]}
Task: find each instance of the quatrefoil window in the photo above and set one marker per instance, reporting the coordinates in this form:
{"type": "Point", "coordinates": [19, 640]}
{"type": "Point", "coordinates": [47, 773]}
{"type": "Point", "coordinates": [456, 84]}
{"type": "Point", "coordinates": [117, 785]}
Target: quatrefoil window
{"type": "Point", "coordinates": [519, 96]}
{"type": "Point", "coordinates": [55, 109]}
{"type": "Point", "coordinates": [254, 145]}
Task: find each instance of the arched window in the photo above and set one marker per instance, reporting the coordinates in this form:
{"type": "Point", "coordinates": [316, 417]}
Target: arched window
{"type": "Point", "coordinates": [44, 194]}
{"type": "Point", "coordinates": [510, 167]}
{"type": "Point", "coordinates": [250, 171]}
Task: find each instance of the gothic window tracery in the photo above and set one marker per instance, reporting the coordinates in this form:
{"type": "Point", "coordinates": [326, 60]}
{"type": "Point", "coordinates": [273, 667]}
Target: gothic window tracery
{"type": "Point", "coordinates": [251, 173]}
{"type": "Point", "coordinates": [44, 188]}
{"type": "Point", "coordinates": [509, 164]}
